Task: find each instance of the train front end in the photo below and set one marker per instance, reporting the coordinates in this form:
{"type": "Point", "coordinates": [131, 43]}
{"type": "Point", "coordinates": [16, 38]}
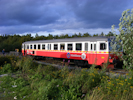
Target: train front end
{"type": "Point", "coordinates": [114, 51]}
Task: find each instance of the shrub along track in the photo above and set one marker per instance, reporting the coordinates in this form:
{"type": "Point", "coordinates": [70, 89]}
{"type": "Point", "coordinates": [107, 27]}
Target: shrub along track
{"type": "Point", "coordinates": [60, 63]}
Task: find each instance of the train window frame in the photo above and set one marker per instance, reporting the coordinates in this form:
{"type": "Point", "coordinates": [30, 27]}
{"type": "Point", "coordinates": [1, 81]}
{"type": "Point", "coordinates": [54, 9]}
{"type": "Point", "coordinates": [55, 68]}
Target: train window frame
{"type": "Point", "coordinates": [69, 46]}
{"type": "Point", "coordinates": [56, 46]}
{"type": "Point", "coordinates": [27, 46]}
{"type": "Point", "coordinates": [76, 48]}
{"type": "Point", "coordinates": [49, 46]}
{"type": "Point", "coordinates": [31, 47]}
{"type": "Point", "coordinates": [35, 47]}
{"type": "Point", "coordinates": [86, 47]}
{"type": "Point", "coordinates": [91, 46]}
{"type": "Point", "coordinates": [39, 46]}
{"type": "Point", "coordinates": [95, 46]}
{"type": "Point", "coordinates": [62, 45]}
{"type": "Point", "coordinates": [102, 47]}
{"type": "Point", "coordinates": [43, 45]}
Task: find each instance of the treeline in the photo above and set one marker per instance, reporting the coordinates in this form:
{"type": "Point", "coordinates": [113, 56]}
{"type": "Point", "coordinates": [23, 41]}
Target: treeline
{"type": "Point", "coordinates": [12, 42]}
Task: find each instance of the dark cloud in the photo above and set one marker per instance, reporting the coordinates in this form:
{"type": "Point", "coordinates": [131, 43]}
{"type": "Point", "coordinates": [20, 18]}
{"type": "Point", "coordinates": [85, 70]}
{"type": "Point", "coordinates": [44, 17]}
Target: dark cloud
{"type": "Point", "coordinates": [33, 12]}
{"type": "Point", "coordinates": [21, 16]}
{"type": "Point", "coordinates": [99, 13]}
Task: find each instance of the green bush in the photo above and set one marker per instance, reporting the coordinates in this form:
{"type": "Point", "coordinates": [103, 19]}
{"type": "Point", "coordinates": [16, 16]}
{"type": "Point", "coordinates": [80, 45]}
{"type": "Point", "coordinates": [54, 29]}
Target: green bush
{"type": "Point", "coordinates": [124, 39]}
{"type": "Point", "coordinates": [7, 68]}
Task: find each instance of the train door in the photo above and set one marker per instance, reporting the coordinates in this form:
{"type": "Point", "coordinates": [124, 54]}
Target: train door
{"type": "Point", "coordinates": [103, 52]}
{"type": "Point", "coordinates": [93, 53]}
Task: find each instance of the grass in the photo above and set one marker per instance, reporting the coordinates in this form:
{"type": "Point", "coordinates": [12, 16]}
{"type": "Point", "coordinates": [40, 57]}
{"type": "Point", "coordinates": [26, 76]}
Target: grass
{"type": "Point", "coordinates": [39, 82]}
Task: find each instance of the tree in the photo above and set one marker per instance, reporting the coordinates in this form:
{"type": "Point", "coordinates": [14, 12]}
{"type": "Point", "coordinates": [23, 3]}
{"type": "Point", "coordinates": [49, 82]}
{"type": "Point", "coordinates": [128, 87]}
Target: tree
{"type": "Point", "coordinates": [95, 35]}
{"type": "Point", "coordinates": [102, 34]}
{"type": "Point", "coordinates": [86, 35]}
{"type": "Point", "coordinates": [50, 36]}
{"type": "Point", "coordinates": [79, 35]}
{"type": "Point", "coordinates": [110, 34]}
{"type": "Point", "coordinates": [125, 38]}
{"type": "Point", "coordinates": [75, 35]}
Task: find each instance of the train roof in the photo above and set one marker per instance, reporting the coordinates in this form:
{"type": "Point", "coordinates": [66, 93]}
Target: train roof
{"type": "Point", "coordinates": [92, 39]}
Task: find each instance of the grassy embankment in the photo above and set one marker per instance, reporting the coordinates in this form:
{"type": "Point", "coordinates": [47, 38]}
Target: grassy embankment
{"type": "Point", "coordinates": [39, 82]}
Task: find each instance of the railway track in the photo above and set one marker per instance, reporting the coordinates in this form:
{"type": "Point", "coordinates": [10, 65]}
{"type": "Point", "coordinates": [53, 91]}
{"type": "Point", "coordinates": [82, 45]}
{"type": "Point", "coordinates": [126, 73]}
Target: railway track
{"type": "Point", "coordinates": [60, 64]}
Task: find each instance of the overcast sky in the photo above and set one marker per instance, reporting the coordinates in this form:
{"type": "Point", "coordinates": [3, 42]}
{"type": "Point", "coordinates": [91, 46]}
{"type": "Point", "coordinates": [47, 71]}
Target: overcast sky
{"type": "Point", "coordinates": [60, 16]}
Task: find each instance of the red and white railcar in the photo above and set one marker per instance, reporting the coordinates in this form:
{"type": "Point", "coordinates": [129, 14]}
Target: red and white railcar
{"type": "Point", "coordinates": [93, 50]}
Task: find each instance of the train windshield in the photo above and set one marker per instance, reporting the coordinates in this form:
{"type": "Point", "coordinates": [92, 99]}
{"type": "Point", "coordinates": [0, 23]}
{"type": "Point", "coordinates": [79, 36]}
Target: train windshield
{"type": "Point", "coordinates": [114, 46]}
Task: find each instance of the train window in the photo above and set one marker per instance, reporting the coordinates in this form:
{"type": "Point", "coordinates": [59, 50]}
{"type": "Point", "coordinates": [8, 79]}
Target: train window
{"type": "Point", "coordinates": [62, 46]}
{"type": "Point", "coordinates": [102, 46]}
{"type": "Point", "coordinates": [27, 46]}
{"type": "Point", "coordinates": [55, 46]}
{"type": "Point", "coordinates": [30, 46]}
{"type": "Point", "coordinates": [69, 46]}
{"type": "Point", "coordinates": [86, 46]}
{"type": "Point", "coordinates": [49, 46]}
{"type": "Point", "coordinates": [38, 46]}
{"type": "Point", "coordinates": [78, 46]}
{"type": "Point", "coordinates": [94, 46]}
{"type": "Point", "coordinates": [34, 46]}
{"type": "Point", "coordinates": [43, 46]}
{"type": "Point", "coordinates": [91, 46]}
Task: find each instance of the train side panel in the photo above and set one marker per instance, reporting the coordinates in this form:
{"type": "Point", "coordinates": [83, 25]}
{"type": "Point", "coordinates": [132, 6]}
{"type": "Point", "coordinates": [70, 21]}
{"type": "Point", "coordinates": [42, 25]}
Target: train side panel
{"type": "Point", "coordinates": [96, 58]}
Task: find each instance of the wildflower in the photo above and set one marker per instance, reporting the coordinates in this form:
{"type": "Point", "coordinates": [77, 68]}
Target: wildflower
{"type": "Point", "coordinates": [93, 80]}
{"type": "Point", "coordinates": [109, 82]}
{"type": "Point", "coordinates": [131, 86]}
{"type": "Point", "coordinates": [130, 78]}
{"type": "Point", "coordinates": [57, 85]}
{"type": "Point", "coordinates": [125, 90]}
{"type": "Point", "coordinates": [115, 95]}
{"type": "Point", "coordinates": [127, 74]}
{"type": "Point", "coordinates": [108, 88]}
{"type": "Point", "coordinates": [129, 83]}
{"type": "Point", "coordinates": [125, 79]}
{"type": "Point", "coordinates": [15, 97]}
{"type": "Point", "coordinates": [14, 85]}
{"type": "Point", "coordinates": [98, 88]}
{"type": "Point", "coordinates": [107, 77]}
